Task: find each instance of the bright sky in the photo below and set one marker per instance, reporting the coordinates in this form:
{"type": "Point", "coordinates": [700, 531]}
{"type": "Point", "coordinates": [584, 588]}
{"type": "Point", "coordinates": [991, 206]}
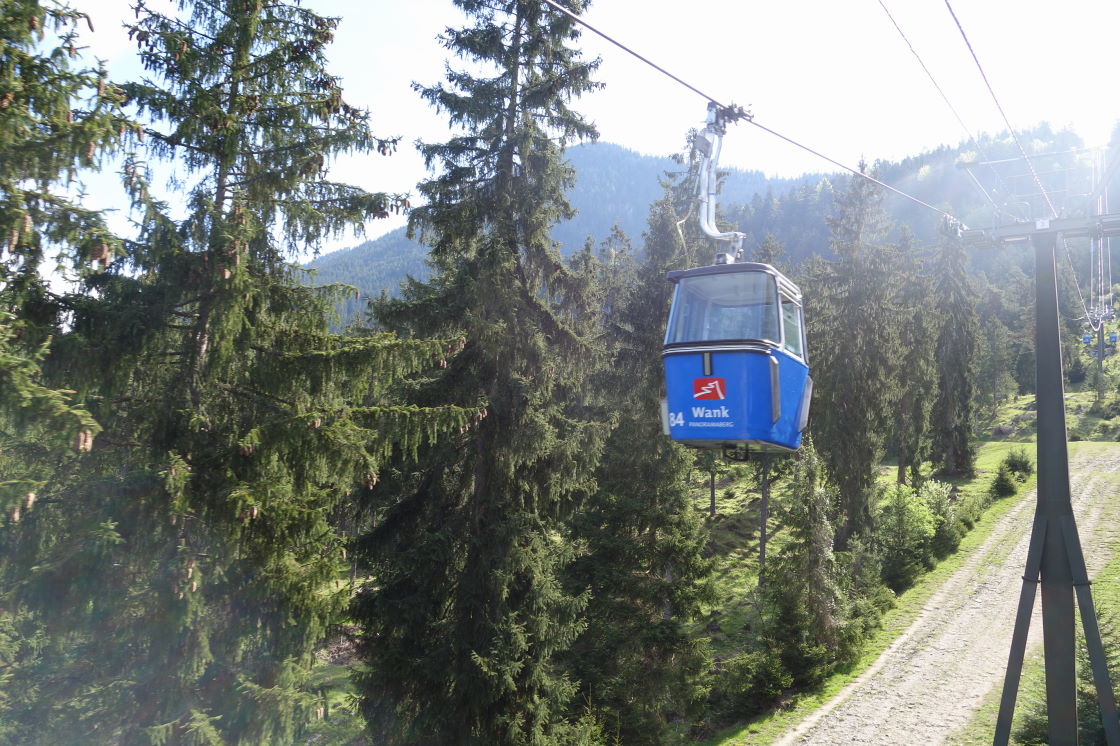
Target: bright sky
{"type": "Point", "coordinates": [836, 76]}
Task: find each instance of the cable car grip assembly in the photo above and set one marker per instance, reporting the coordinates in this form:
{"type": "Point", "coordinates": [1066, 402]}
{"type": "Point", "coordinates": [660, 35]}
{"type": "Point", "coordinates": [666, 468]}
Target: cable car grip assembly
{"type": "Point", "coordinates": [709, 143]}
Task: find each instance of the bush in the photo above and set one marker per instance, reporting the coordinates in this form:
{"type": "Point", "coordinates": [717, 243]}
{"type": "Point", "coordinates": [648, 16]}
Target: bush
{"type": "Point", "coordinates": [1020, 463]}
{"type": "Point", "coordinates": [949, 528]}
{"type": "Point", "coordinates": [972, 507]}
{"type": "Point", "coordinates": [1075, 373]}
{"type": "Point", "coordinates": [748, 684]}
{"type": "Point", "coordinates": [906, 529]}
{"type": "Point", "coordinates": [1004, 484]}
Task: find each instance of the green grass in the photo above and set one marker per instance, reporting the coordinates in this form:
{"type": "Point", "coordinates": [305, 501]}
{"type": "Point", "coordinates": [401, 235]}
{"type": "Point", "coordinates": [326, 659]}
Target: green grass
{"type": "Point", "coordinates": [341, 722]}
{"type": "Point", "coordinates": [734, 543]}
{"type": "Point", "coordinates": [769, 727]}
{"type": "Point", "coordinates": [1106, 597]}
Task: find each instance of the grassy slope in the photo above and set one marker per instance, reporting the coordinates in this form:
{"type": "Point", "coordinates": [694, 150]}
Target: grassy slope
{"type": "Point", "coordinates": [737, 565]}
{"type": "Point", "coordinates": [1106, 598]}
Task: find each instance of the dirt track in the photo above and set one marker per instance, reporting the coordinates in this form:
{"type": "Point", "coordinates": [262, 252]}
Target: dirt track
{"type": "Point", "coordinates": [933, 677]}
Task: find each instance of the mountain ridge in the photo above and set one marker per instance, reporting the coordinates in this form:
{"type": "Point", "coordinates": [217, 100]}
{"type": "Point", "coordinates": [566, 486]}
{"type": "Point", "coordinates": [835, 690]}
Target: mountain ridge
{"type": "Point", "coordinates": [614, 186]}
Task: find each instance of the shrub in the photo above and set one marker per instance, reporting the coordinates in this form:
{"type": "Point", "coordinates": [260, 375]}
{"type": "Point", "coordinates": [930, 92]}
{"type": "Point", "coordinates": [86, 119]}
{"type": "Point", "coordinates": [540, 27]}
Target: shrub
{"type": "Point", "coordinates": [906, 528]}
{"type": "Point", "coordinates": [1004, 484]}
{"type": "Point", "coordinates": [1075, 373]}
{"type": "Point", "coordinates": [949, 529]}
{"type": "Point", "coordinates": [972, 507]}
{"type": "Point", "coordinates": [1020, 463]}
{"type": "Point", "coordinates": [748, 684]}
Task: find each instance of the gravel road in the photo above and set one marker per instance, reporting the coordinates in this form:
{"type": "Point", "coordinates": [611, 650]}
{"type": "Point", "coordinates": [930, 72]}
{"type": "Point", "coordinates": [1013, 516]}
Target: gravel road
{"type": "Point", "coordinates": [933, 677]}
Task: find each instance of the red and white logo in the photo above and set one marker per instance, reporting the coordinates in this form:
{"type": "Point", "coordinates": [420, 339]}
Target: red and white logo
{"type": "Point", "coordinates": [709, 388]}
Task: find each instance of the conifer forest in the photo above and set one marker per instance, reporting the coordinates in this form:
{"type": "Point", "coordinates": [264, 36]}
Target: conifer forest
{"type": "Point", "coordinates": [425, 497]}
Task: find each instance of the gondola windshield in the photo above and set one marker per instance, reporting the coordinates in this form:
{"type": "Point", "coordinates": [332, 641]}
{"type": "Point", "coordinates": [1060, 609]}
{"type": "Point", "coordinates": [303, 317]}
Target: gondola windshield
{"type": "Point", "coordinates": [733, 306]}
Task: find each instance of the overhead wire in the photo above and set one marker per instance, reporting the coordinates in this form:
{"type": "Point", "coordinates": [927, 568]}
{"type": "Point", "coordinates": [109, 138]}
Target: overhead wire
{"type": "Point", "coordinates": [1104, 245]}
{"type": "Point", "coordinates": [749, 118]}
{"type": "Point", "coordinates": [1093, 324]}
{"type": "Point", "coordinates": [623, 47]}
{"type": "Point", "coordinates": [945, 98]}
{"type": "Point", "coordinates": [1095, 310]}
{"type": "Point", "coordinates": [1090, 316]}
{"type": "Point", "coordinates": [999, 106]}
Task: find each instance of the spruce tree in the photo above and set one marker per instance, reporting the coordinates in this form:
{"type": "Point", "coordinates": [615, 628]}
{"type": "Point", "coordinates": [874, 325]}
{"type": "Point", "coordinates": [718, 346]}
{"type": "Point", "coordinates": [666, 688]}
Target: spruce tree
{"type": "Point", "coordinates": [994, 382]}
{"type": "Point", "coordinates": [956, 360]}
{"type": "Point", "coordinates": [185, 568]}
{"type": "Point", "coordinates": [56, 118]}
{"type": "Point", "coordinates": [853, 333]}
{"type": "Point", "coordinates": [770, 251]}
{"type": "Point", "coordinates": [636, 663]}
{"type": "Point", "coordinates": [467, 616]}
{"type": "Point", "coordinates": [806, 605]}
{"type": "Point", "coordinates": [918, 387]}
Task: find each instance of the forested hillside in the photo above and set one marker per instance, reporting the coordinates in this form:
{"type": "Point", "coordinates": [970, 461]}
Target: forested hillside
{"type": "Point", "coordinates": [614, 187]}
{"type": "Point", "coordinates": [456, 521]}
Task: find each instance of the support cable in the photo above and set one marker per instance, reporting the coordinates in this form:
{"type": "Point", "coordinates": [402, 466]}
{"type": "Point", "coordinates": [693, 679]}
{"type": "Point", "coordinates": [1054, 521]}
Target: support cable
{"type": "Point", "coordinates": [945, 98]}
{"type": "Point", "coordinates": [552, 3]}
{"type": "Point", "coordinates": [1105, 249]}
{"type": "Point", "coordinates": [851, 170]}
{"type": "Point", "coordinates": [1094, 324]}
{"type": "Point", "coordinates": [1015, 137]}
{"type": "Point", "coordinates": [578, 19]}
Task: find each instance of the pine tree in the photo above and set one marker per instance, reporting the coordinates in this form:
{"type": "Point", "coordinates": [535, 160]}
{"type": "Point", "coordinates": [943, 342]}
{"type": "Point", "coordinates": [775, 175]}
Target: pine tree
{"type": "Point", "coordinates": [853, 333]}
{"type": "Point", "coordinates": [805, 619]}
{"type": "Point", "coordinates": [956, 360]}
{"type": "Point", "coordinates": [636, 664]}
{"type": "Point", "coordinates": [467, 616]}
{"type": "Point", "coordinates": [770, 251]}
{"type": "Point", "coordinates": [918, 389]}
{"type": "Point", "coordinates": [185, 568]}
{"type": "Point", "coordinates": [55, 119]}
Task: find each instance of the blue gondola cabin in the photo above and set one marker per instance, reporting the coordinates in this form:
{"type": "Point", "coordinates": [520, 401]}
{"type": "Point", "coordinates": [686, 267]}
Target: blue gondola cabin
{"type": "Point", "coordinates": [736, 368]}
